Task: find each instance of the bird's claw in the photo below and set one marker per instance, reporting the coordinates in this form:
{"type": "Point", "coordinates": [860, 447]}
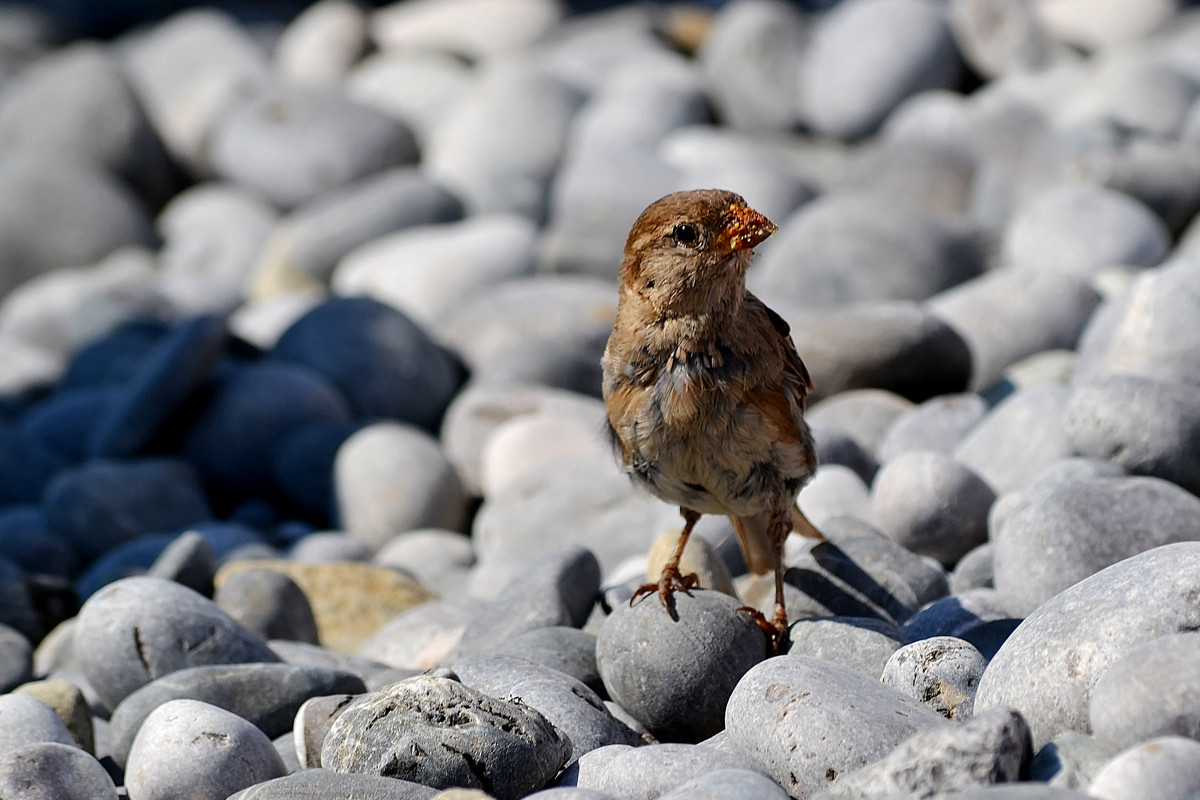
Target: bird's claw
{"type": "Point", "coordinates": [776, 630]}
{"type": "Point", "coordinates": [670, 581]}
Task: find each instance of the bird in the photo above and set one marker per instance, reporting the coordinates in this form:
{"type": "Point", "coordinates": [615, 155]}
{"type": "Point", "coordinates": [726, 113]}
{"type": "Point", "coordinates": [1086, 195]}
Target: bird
{"type": "Point", "coordinates": [703, 388]}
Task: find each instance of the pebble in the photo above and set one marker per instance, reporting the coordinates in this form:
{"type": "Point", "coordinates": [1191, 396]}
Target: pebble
{"type": "Point", "coordinates": [102, 504]}
{"type": "Point", "coordinates": [373, 673]}
{"type": "Point", "coordinates": [401, 732]}
{"type": "Point", "coordinates": [425, 270]}
{"type": "Point", "coordinates": [319, 47]}
{"type": "Point", "coordinates": [908, 42]}
{"type": "Point", "coordinates": [194, 749]}
{"type": "Point", "coordinates": [838, 449]}
{"type": "Point", "coordinates": [76, 102]}
{"type": "Point", "coordinates": [1063, 532]}
{"type": "Point", "coordinates": [1049, 665]}
{"type": "Point", "coordinates": [1148, 330]}
{"type": "Point", "coordinates": [382, 362]}
{"type": "Point", "coordinates": [559, 588]}
{"type": "Point", "coordinates": [186, 71]}
{"type": "Point", "coordinates": [699, 558]}
{"type": "Point", "coordinates": [269, 604]}
{"type": "Point", "coordinates": [1014, 312]}
{"type": "Point", "coordinates": [54, 771]}
{"type": "Point", "coordinates": [1080, 228]}
{"type": "Point", "coordinates": [545, 329]}
{"type": "Point", "coordinates": [791, 715]}
{"type": "Point", "coordinates": [1164, 768]}
{"type": "Point", "coordinates": [67, 311]}
{"type": "Point", "coordinates": [1069, 760]}
{"type": "Point", "coordinates": [138, 629]}
{"type": "Point", "coordinates": [1146, 426]}
{"type": "Point", "coordinates": [998, 38]}
{"type": "Point", "coordinates": [1152, 691]}
{"type": "Point", "coordinates": [932, 505]}
{"type": "Point", "coordinates": [390, 478]}
{"type": "Point", "coordinates": [436, 558]}
{"type": "Point", "coordinates": [863, 414]}
{"type": "Point", "coordinates": [303, 466]}
{"type": "Point", "coordinates": [418, 87]}
{"type": "Point", "coordinates": [942, 672]}
{"type": "Point", "coordinates": [474, 29]}
{"type": "Point", "coordinates": [329, 547]}
{"type": "Point", "coordinates": [103, 215]}
{"type": "Point", "coordinates": [648, 771]}
{"type": "Point", "coordinates": [312, 722]}
{"type": "Point", "coordinates": [307, 245]}
{"type": "Point", "coordinates": [26, 468]}
{"type": "Point", "coordinates": [936, 425]}
{"type": "Point", "coordinates": [992, 748]}
{"type": "Point", "coordinates": [499, 146]}
{"type": "Point", "coordinates": [1024, 433]}
{"type": "Point", "coordinates": [895, 253]}
{"type": "Point", "coordinates": [349, 601]}
{"type": "Point", "coordinates": [423, 637]}
{"type": "Point", "coordinates": [27, 721]}
{"type": "Point", "coordinates": [252, 411]}
{"type": "Point", "coordinates": [1137, 93]}
{"type": "Point", "coordinates": [974, 570]}
{"type": "Point", "coordinates": [67, 701]}
{"type": "Point", "coordinates": [150, 403]}
{"type": "Point", "coordinates": [567, 650]}
{"type": "Point", "coordinates": [678, 701]}
{"type": "Point", "coordinates": [864, 643]}
{"type": "Point", "coordinates": [189, 560]}
{"type": "Point", "coordinates": [480, 409]}
{"type": "Point", "coordinates": [898, 346]}
{"type": "Point", "coordinates": [292, 145]}
{"type": "Point", "coordinates": [266, 695]}
{"type": "Point", "coordinates": [212, 235]}
{"type": "Point", "coordinates": [587, 502]}
{"type": "Point", "coordinates": [752, 62]}
{"type": "Point", "coordinates": [726, 784]}
{"type": "Point", "coordinates": [320, 784]}
{"type": "Point", "coordinates": [566, 703]}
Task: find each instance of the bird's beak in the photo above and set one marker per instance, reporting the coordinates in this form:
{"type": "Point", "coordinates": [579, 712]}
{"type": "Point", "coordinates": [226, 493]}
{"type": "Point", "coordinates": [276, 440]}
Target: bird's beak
{"type": "Point", "coordinates": [744, 228]}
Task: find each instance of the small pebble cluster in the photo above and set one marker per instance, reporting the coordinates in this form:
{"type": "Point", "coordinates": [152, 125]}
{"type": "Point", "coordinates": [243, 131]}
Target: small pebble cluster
{"type": "Point", "coordinates": [303, 492]}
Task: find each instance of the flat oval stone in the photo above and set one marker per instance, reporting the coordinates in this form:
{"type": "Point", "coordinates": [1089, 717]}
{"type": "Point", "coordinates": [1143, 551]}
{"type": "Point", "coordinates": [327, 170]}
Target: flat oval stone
{"type": "Point", "coordinates": [322, 784]}
{"type": "Point", "coordinates": [864, 643]}
{"type": "Point", "coordinates": [402, 731]}
{"type": "Point", "coordinates": [138, 629]}
{"type": "Point", "coordinates": [1049, 665]}
{"type": "Point", "coordinates": [1165, 768]}
{"type": "Point", "coordinates": [648, 771]}
{"type": "Point", "coordinates": [266, 695]}
{"type": "Point", "coordinates": [54, 771]}
{"type": "Point", "coordinates": [187, 748]}
{"type": "Point", "coordinates": [381, 361]}
{"type": "Point", "coordinates": [268, 603]}
{"type": "Point", "coordinates": [1060, 533]}
{"type": "Point", "coordinates": [637, 649]}
{"type": "Point", "coordinates": [293, 145]}
{"type": "Point", "coordinates": [101, 504]}
{"type": "Point", "coordinates": [1152, 691]}
{"type": "Point", "coordinates": [806, 721]}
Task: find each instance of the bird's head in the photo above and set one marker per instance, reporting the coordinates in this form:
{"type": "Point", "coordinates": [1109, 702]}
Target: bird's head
{"type": "Point", "coordinates": [688, 252]}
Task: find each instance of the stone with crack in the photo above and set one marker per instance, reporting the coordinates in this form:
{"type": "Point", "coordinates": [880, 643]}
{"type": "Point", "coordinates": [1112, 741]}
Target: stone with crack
{"type": "Point", "coordinates": [436, 731]}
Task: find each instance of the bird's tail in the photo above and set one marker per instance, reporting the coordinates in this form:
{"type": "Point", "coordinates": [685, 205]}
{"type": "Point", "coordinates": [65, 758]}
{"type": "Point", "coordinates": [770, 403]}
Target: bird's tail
{"type": "Point", "coordinates": [754, 535]}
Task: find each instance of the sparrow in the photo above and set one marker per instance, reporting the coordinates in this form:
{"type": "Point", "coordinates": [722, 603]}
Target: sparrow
{"type": "Point", "coordinates": [703, 387]}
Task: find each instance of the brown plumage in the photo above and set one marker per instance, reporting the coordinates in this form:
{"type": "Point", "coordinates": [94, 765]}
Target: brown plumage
{"type": "Point", "coordinates": [703, 386]}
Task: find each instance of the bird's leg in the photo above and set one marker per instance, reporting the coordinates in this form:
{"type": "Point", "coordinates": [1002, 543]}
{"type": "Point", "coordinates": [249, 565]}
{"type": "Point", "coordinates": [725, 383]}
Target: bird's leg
{"type": "Point", "coordinates": [671, 580]}
{"type": "Point", "coordinates": [776, 628]}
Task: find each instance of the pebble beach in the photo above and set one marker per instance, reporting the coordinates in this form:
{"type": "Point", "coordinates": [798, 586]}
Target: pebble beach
{"type": "Point", "coordinates": [304, 492]}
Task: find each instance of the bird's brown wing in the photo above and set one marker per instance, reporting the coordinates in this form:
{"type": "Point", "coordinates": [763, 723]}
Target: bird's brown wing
{"type": "Point", "coordinates": [792, 358]}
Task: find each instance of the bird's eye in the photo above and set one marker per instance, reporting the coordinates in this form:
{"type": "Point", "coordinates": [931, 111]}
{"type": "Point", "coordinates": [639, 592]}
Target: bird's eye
{"type": "Point", "coordinates": [684, 233]}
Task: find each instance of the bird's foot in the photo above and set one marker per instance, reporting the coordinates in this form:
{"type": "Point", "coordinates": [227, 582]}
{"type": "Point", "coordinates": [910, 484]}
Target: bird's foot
{"type": "Point", "coordinates": [670, 581]}
{"type": "Point", "coordinates": [776, 630]}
